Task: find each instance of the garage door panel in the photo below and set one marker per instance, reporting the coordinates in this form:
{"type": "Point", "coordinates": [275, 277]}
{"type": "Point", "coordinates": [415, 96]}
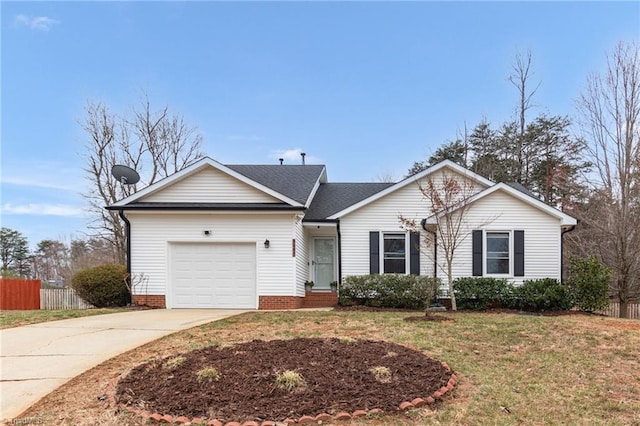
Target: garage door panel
{"type": "Point", "coordinates": [217, 275]}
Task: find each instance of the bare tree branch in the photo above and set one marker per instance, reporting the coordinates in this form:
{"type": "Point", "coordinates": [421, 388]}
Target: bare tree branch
{"type": "Point", "coordinates": [156, 144]}
{"type": "Point", "coordinates": [448, 197]}
{"type": "Point", "coordinates": [610, 108]}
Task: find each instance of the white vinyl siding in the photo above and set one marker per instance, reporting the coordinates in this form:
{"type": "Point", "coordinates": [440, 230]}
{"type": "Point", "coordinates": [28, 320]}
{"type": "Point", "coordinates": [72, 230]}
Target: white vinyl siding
{"type": "Point", "coordinates": [152, 234]}
{"type": "Point", "coordinates": [210, 186]}
{"type": "Point", "coordinates": [301, 259]}
{"type": "Point", "coordinates": [383, 215]}
{"type": "Point", "coordinates": [500, 212]}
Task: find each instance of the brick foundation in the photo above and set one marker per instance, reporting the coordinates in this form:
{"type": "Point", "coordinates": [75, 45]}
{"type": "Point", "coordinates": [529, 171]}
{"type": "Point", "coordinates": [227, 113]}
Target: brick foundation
{"type": "Point", "coordinates": [311, 300]}
{"type": "Point", "coordinates": [320, 299]}
{"type": "Point", "coordinates": [151, 300]}
{"type": "Point", "coordinates": [280, 302]}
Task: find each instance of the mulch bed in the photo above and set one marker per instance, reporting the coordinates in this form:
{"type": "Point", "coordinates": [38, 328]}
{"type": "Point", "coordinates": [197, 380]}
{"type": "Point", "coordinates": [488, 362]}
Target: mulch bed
{"type": "Point", "coordinates": [537, 313]}
{"type": "Point", "coordinates": [364, 308]}
{"type": "Point", "coordinates": [416, 318]}
{"type": "Point", "coordinates": [428, 318]}
{"type": "Point", "coordinates": [336, 373]}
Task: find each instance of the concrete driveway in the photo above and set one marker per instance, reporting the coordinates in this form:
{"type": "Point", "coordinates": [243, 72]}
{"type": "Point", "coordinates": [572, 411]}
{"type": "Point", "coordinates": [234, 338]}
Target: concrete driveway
{"type": "Point", "coordinates": [36, 359]}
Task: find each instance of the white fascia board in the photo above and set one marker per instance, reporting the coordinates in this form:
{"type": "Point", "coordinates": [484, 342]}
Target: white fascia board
{"type": "Point", "coordinates": [413, 179]}
{"type": "Point", "coordinates": [321, 178]}
{"type": "Point", "coordinates": [198, 165]}
{"type": "Point", "coordinates": [565, 219]}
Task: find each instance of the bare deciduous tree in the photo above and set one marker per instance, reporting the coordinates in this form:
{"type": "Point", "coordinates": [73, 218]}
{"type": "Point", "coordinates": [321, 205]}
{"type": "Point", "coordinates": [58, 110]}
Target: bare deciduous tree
{"type": "Point", "coordinates": [156, 144]}
{"type": "Point", "coordinates": [448, 198]}
{"type": "Point", "coordinates": [521, 73]}
{"type": "Point", "coordinates": [610, 108]}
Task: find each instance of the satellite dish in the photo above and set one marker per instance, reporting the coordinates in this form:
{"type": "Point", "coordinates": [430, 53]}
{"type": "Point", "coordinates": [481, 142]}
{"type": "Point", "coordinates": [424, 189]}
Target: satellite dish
{"type": "Point", "coordinates": [126, 175]}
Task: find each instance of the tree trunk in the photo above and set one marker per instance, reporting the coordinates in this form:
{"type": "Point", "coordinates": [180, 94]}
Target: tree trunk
{"type": "Point", "coordinates": [622, 283]}
{"type": "Point", "coordinates": [454, 307]}
{"type": "Point", "coordinates": [624, 305]}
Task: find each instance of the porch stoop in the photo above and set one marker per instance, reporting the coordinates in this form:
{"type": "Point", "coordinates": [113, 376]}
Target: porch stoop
{"type": "Point", "coordinates": [320, 299]}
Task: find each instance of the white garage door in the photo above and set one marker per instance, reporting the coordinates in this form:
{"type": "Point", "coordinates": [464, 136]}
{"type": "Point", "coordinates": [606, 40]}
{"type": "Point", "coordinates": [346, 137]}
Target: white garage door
{"type": "Point", "coordinates": [220, 275]}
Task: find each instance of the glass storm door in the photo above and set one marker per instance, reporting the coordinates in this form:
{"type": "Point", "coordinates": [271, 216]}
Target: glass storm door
{"type": "Point", "coordinates": [324, 270]}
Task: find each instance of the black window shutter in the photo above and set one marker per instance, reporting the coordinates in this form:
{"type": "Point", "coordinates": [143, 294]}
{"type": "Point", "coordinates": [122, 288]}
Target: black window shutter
{"type": "Point", "coordinates": [414, 250]}
{"type": "Point", "coordinates": [477, 253]}
{"type": "Point", "coordinates": [518, 253]}
{"type": "Point", "coordinates": [374, 252]}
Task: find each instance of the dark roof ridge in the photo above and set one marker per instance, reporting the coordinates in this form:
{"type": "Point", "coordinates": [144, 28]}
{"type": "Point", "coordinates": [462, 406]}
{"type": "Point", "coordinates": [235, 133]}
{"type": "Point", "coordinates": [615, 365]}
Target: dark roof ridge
{"type": "Point", "coordinates": [334, 197]}
{"type": "Point", "coordinates": [295, 181]}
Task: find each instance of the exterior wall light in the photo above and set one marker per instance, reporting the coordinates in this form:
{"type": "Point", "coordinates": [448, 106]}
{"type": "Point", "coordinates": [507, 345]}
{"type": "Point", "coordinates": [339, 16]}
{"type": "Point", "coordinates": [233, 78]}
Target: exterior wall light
{"type": "Point", "coordinates": [267, 243]}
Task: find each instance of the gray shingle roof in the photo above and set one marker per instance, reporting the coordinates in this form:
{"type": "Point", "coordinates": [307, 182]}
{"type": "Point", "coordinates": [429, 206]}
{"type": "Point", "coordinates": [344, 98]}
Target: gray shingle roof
{"type": "Point", "coordinates": [334, 197]}
{"type": "Point", "coordinates": [522, 188]}
{"type": "Point", "coordinates": [293, 181]}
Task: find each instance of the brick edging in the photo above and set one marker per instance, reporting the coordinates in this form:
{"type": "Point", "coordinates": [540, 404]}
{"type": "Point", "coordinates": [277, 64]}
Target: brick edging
{"type": "Point", "coordinates": [318, 419]}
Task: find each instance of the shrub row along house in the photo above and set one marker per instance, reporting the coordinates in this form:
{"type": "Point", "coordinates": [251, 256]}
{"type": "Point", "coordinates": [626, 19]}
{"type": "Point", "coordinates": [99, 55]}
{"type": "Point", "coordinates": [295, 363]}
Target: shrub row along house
{"type": "Point", "coordinates": [250, 236]}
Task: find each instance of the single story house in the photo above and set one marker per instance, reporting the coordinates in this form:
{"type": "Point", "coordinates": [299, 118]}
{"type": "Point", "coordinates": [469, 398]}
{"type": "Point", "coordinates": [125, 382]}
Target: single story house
{"type": "Point", "coordinates": [250, 236]}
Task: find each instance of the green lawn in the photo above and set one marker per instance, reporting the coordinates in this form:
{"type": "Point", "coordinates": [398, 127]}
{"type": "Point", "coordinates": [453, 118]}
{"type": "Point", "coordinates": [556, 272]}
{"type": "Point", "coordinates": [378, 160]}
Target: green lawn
{"type": "Point", "coordinates": [10, 319]}
{"type": "Point", "coordinates": [543, 370]}
{"type": "Point", "coordinates": [512, 369]}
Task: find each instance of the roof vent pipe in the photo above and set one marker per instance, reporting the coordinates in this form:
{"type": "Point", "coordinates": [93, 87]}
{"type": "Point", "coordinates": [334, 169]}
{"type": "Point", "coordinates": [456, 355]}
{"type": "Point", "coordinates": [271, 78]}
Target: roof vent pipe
{"type": "Point", "coordinates": [281, 160]}
{"type": "Point", "coordinates": [302, 154]}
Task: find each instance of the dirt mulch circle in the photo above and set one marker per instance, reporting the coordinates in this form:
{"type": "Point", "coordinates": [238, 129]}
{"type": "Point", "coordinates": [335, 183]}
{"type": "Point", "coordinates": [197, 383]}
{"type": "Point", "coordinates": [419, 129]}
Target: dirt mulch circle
{"type": "Point", "coordinates": [429, 318]}
{"type": "Point", "coordinates": [337, 375]}
{"type": "Point", "coordinates": [364, 308]}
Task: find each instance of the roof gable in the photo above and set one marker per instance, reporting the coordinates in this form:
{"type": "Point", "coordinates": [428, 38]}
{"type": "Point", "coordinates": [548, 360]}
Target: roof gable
{"type": "Point", "coordinates": [565, 219]}
{"type": "Point", "coordinates": [413, 180]}
{"type": "Point", "coordinates": [209, 185]}
{"type": "Point", "coordinates": [205, 163]}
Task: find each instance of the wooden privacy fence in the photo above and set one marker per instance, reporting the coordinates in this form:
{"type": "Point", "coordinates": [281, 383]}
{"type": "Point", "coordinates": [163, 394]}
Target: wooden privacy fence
{"type": "Point", "coordinates": [633, 309]}
{"type": "Point", "coordinates": [19, 294]}
{"type": "Point", "coordinates": [61, 298]}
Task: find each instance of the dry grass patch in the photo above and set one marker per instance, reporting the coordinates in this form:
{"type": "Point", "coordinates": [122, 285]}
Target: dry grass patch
{"type": "Point", "coordinates": [208, 374]}
{"type": "Point", "coordinates": [544, 370]}
{"type": "Point", "coordinates": [290, 380]}
{"type": "Point", "coordinates": [174, 362]}
{"type": "Point", "coordinates": [10, 319]}
{"type": "Point", "coordinates": [382, 374]}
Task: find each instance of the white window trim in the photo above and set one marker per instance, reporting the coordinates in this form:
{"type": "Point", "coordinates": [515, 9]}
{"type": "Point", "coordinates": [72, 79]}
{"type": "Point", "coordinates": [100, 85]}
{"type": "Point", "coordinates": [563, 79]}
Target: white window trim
{"type": "Point", "coordinates": [407, 253]}
{"type": "Point", "coordinates": [485, 250]}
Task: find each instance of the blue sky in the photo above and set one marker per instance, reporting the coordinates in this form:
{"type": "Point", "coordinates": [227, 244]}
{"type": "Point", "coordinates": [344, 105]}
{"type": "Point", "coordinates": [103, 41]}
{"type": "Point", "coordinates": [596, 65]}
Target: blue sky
{"type": "Point", "coordinates": [366, 88]}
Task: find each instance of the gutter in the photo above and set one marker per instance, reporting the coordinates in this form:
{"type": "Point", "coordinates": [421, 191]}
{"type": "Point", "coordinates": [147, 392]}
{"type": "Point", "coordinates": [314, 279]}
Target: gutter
{"type": "Point", "coordinates": [205, 208]}
{"type": "Point", "coordinates": [565, 231]}
{"type": "Point", "coordinates": [128, 237]}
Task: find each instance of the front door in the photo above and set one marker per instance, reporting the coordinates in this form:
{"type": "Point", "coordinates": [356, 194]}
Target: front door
{"type": "Point", "coordinates": [324, 265]}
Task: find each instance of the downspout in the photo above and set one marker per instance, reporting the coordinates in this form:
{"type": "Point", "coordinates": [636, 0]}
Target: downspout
{"type": "Point", "coordinates": [128, 237]}
{"type": "Point", "coordinates": [562, 251]}
{"type": "Point", "coordinates": [423, 222]}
